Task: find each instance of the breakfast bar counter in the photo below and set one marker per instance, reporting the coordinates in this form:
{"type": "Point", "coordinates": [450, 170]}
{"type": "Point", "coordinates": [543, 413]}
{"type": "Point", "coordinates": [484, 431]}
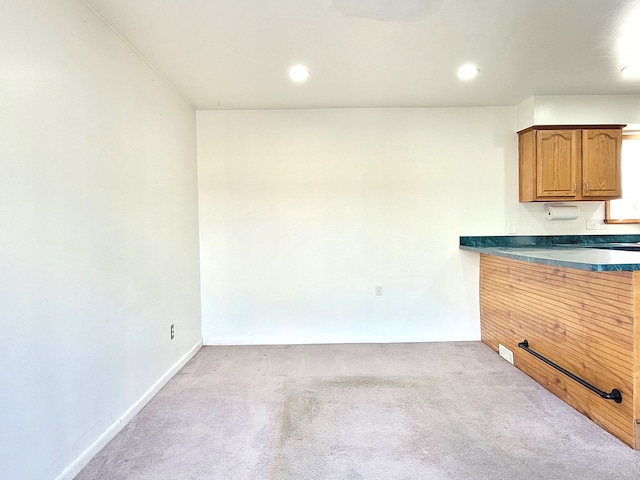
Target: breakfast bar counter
{"type": "Point", "coordinates": [576, 301]}
{"type": "Point", "coordinates": [585, 252]}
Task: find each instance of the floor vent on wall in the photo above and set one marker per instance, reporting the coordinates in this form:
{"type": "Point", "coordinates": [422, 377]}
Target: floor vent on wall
{"type": "Point", "coordinates": [505, 353]}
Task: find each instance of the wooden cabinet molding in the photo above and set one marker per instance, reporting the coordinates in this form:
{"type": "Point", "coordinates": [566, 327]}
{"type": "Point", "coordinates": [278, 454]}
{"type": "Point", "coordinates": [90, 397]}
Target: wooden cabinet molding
{"type": "Point", "coordinates": [569, 162]}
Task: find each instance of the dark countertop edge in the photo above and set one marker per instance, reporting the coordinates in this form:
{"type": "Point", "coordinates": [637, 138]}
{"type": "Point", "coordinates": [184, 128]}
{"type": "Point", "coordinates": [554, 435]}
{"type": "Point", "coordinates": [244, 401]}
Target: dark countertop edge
{"type": "Point", "coordinates": [514, 241]}
{"type": "Point", "coordinates": [554, 262]}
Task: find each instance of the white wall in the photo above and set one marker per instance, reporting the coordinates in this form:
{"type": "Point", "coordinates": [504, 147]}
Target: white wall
{"type": "Point", "coordinates": [99, 236]}
{"type": "Point", "coordinates": [303, 213]}
{"type": "Point", "coordinates": [578, 109]}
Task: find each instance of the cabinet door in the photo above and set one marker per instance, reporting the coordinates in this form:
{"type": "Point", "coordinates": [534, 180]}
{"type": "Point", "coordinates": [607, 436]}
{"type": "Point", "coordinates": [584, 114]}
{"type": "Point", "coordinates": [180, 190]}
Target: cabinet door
{"type": "Point", "coordinates": [558, 163]}
{"type": "Point", "coordinates": [601, 163]}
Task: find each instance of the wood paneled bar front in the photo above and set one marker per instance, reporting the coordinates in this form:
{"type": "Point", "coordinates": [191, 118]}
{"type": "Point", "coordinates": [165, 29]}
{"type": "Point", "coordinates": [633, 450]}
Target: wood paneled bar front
{"type": "Point", "coordinates": [578, 307]}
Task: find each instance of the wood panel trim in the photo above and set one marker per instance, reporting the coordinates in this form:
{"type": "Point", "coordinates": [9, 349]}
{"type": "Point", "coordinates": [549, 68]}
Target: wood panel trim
{"type": "Point", "coordinates": [636, 358]}
{"type": "Point", "coordinates": [582, 320]}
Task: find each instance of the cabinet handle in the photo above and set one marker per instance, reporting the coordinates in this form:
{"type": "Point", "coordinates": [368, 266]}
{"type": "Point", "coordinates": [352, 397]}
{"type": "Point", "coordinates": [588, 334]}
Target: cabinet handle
{"type": "Point", "coordinates": [575, 188]}
{"type": "Point", "coordinates": [586, 187]}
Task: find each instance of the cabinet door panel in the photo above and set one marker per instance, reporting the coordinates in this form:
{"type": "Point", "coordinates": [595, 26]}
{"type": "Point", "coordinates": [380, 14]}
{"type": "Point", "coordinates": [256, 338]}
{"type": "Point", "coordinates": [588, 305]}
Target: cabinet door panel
{"type": "Point", "coordinates": [601, 163]}
{"type": "Point", "coordinates": [558, 163]}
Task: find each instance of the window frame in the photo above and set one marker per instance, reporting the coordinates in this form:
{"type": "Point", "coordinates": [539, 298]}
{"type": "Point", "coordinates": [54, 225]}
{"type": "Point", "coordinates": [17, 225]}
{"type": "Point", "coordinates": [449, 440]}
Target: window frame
{"type": "Point", "coordinates": [607, 204]}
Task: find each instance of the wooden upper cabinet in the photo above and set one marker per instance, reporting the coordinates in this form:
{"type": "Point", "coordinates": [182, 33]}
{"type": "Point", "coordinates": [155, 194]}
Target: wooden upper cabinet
{"type": "Point", "coordinates": [569, 162]}
{"type": "Point", "coordinates": [601, 163]}
{"type": "Point", "coordinates": [558, 163]}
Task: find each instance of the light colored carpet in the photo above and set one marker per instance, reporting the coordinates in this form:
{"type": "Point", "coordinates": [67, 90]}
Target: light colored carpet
{"type": "Point", "coordinates": [401, 411]}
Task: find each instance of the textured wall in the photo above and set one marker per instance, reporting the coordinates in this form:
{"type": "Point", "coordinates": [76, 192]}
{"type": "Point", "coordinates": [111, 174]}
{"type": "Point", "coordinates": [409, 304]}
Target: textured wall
{"type": "Point", "coordinates": [303, 213]}
{"type": "Point", "coordinates": [99, 237]}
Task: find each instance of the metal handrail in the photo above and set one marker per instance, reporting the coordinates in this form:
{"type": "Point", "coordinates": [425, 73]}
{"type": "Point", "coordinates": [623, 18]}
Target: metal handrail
{"type": "Point", "coordinates": [615, 394]}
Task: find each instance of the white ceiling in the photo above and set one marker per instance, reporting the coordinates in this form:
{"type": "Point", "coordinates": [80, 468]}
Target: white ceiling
{"type": "Point", "coordinates": [235, 54]}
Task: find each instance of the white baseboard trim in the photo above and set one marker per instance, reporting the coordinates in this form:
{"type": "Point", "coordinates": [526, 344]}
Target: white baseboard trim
{"type": "Point", "coordinates": [85, 457]}
{"type": "Point", "coordinates": [284, 340]}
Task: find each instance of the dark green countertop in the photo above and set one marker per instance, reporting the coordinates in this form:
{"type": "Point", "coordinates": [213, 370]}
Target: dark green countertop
{"type": "Point", "coordinates": [573, 251]}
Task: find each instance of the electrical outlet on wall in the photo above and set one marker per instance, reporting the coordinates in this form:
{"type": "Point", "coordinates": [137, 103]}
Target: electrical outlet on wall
{"type": "Point", "coordinates": [512, 227]}
{"type": "Point", "coordinates": [592, 224]}
{"type": "Point", "coordinates": [173, 331]}
{"type": "Point", "coordinates": [378, 290]}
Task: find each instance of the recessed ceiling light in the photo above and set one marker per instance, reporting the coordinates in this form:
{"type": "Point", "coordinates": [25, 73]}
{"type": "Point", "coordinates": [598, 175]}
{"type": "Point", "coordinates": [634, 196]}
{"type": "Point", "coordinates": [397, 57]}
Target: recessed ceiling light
{"type": "Point", "coordinates": [467, 72]}
{"type": "Point", "coordinates": [631, 70]}
{"type": "Point", "coordinates": [299, 73]}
